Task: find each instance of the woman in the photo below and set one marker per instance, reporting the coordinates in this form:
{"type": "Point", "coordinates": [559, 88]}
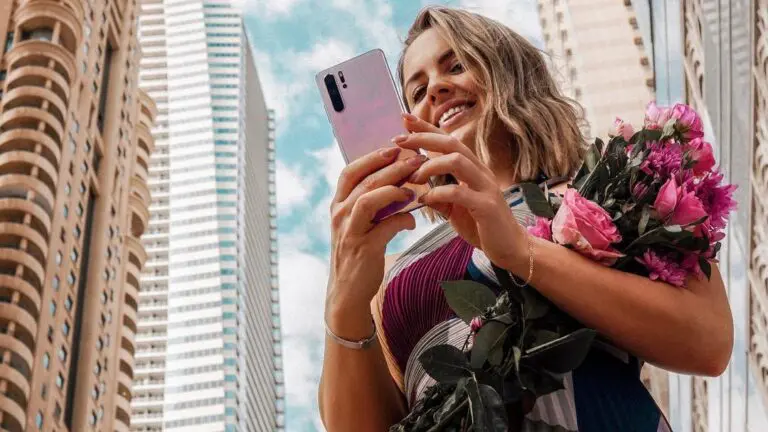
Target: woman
{"type": "Point", "coordinates": [489, 115]}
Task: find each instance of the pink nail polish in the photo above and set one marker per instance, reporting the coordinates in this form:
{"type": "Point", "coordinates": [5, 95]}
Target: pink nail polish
{"type": "Point", "coordinates": [390, 152]}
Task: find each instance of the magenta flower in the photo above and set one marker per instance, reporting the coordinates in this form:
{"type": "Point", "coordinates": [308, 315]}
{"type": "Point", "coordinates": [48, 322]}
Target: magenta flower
{"type": "Point", "coordinates": [476, 324]}
{"type": "Point", "coordinates": [666, 200]}
{"type": "Point", "coordinates": [716, 198]}
{"type": "Point", "coordinates": [541, 229]}
{"type": "Point", "coordinates": [688, 121]}
{"type": "Point", "coordinates": [662, 268]}
{"type": "Point", "coordinates": [587, 228]}
{"type": "Point", "coordinates": [676, 205]}
{"type": "Point", "coordinates": [702, 156]}
{"type": "Point", "coordinates": [691, 265]}
{"type": "Point", "coordinates": [664, 160]}
{"type": "Point", "coordinates": [624, 129]}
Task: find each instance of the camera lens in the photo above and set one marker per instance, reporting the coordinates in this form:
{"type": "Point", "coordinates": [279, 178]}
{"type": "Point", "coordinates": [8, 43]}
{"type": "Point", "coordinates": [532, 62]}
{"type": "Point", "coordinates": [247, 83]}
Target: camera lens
{"type": "Point", "coordinates": [333, 92]}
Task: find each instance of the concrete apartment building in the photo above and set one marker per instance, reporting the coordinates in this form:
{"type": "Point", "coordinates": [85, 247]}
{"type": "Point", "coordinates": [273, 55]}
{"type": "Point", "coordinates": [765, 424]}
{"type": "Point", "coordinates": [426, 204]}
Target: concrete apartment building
{"type": "Point", "coordinates": [75, 145]}
{"type": "Point", "coordinates": [209, 356]}
{"type": "Point", "coordinates": [599, 58]}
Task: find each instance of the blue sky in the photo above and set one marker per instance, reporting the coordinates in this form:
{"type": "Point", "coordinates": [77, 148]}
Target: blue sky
{"type": "Point", "coordinates": [292, 40]}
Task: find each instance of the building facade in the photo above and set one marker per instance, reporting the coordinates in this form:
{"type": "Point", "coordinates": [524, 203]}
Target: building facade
{"type": "Point", "coordinates": [74, 151]}
{"type": "Point", "coordinates": [208, 355]}
{"type": "Point", "coordinates": [599, 58]}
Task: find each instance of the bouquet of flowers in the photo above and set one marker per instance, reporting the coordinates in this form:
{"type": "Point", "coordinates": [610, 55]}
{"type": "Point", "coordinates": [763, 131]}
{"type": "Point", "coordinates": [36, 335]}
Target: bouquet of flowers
{"type": "Point", "coordinates": [650, 203]}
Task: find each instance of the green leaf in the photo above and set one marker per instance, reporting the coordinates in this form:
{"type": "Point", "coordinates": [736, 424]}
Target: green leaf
{"type": "Point", "coordinates": [563, 354]}
{"type": "Point", "coordinates": [537, 201]}
{"type": "Point", "coordinates": [468, 298]}
{"type": "Point", "coordinates": [544, 336]}
{"type": "Point", "coordinates": [453, 401]}
{"type": "Point", "coordinates": [486, 408]}
{"type": "Point", "coordinates": [644, 218]}
{"type": "Point", "coordinates": [445, 363]}
{"type": "Point", "coordinates": [541, 382]}
{"type": "Point", "coordinates": [535, 305]}
{"type": "Point", "coordinates": [490, 335]}
{"type": "Point", "coordinates": [669, 129]}
{"type": "Point", "coordinates": [706, 267]}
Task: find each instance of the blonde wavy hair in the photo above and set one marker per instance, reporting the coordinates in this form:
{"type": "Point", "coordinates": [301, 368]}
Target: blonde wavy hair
{"type": "Point", "coordinates": [518, 91]}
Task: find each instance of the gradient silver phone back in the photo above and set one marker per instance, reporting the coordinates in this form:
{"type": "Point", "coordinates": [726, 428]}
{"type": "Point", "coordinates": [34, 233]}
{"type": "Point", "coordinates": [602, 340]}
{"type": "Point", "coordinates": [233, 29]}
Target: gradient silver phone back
{"type": "Point", "coordinates": [371, 117]}
{"type": "Point", "coordinates": [372, 109]}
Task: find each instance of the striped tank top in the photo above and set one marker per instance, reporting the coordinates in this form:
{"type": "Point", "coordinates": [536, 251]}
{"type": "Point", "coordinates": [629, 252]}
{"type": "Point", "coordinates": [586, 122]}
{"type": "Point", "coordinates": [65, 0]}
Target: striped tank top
{"type": "Point", "coordinates": [605, 393]}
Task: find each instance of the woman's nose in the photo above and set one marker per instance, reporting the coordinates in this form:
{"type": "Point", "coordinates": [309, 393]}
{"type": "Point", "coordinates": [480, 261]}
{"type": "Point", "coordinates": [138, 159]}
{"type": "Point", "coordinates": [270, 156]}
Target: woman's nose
{"type": "Point", "coordinates": [439, 91]}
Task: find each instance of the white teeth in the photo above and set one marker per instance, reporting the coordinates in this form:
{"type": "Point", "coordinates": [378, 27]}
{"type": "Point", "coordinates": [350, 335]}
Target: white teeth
{"type": "Point", "coordinates": [451, 112]}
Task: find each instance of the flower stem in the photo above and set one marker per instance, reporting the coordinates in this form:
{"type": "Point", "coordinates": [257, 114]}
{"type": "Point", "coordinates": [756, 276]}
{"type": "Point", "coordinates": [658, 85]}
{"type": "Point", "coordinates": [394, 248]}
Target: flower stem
{"type": "Point", "coordinates": [448, 417]}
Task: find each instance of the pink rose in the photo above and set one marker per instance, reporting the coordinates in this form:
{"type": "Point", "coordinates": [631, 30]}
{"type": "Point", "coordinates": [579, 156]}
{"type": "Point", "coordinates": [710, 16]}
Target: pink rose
{"type": "Point", "coordinates": [676, 206]}
{"type": "Point", "coordinates": [587, 228]}
{"type": "Point", "coordinates": [541, 229]}
{"type": "Point", "coordinates": [666, 200]}
{"type": "Point", "coordinates": [623, 129]}
{"type": "Point", "coordinates": [476, 324]}
{"type": "Point", "coordinates": [701, 153]}
{"type": "Point", "coordinates": [688, 121]}
{"type": "Point", "coordinates": [655, 117]}
{"type": "Point", "coordinates": [688, 209]}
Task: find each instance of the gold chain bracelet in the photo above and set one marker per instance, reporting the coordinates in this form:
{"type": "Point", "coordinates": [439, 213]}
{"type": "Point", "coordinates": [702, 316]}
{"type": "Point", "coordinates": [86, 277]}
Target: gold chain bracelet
{"type": "Point", "coordinates": [530, 264]}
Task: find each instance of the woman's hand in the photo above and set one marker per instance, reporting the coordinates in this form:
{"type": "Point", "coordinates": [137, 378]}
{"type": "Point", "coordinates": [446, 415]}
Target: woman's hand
{"type": "Point", "coordinates": [358, 244]}
{"type": "Point", "coordinates": [475, 207]}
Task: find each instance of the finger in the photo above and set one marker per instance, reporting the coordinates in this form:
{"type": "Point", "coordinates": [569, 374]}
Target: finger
{"type": "Point", "coordinates": [454, 194]}
{"type": "Point", "coordinates": [435, 142]}
{"type": "Point", "coordinates": [387, 229]}
{"type": "Point", "coordinates": [415, 124]}
{"type": "Point", "coordinates": [393, 174]}
{"type": "Point", "coordinates": [370, 203]}
{"type": "Point", "coordinates": [360, 168]}
{"type": "Point", "coordinates": [457, 165]}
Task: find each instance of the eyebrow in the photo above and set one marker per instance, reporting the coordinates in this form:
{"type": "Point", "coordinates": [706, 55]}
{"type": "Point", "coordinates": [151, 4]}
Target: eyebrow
{"type": "Point", "coordinates": [442, 59]}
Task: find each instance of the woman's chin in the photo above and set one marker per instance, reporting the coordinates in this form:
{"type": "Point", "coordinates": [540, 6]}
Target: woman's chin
{"type": "Point", "coordinates": [465, 133]}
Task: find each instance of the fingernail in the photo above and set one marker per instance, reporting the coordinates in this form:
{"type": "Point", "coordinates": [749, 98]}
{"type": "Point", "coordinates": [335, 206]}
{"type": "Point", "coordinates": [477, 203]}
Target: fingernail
{"type": "Point", "coordinates": [398, 139]}
{"type": "Point", "coordinates": [417, 160]}
{"type": "Point", "coordinates": [394, 207]}
{"type": "Point", "coordinates": [389, 152]}
{"type": "Point", "coordinates": [410, 117]}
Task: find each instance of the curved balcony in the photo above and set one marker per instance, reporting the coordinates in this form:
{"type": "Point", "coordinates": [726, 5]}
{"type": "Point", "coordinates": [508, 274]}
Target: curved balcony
{"type": "Point", "coordinates": [13, 414]}
{"type": "Point", "coordinates": [46, 14]}
{"type": "Point", "coordinates": [21, 350]}
{"type": "Point", "coordinates": [143, 133]}
{"type": "Point", "coordinates": [148, 106]}
{"type": "Point", "coordinates": [29, 117]}
{"type": "Point", "coordinates": [142, 152]}
{"type": "Point", "coordinates": [33, 272]}
{"type": "Point", "coordinates": [122, 411]}
{"type": "Point", "coordinates": [139, 216]}
{"type": "Point", "coordinates": [126, 359]}
{"type": "Point", "coordinates": [130, 314]}
{"type": "Point", "coordinates": [139, 187]}
{"type": "Point", "coordinates": [128, 341]}
{"type": "Point", "coordinates": [14, 233]}
{"type": "Point", "coordinates": [35, 97]}
{"type": "Point", "coordinates": [28, 140]}
{"type": "Point", "coordinates": [16, 209]}
{"type": "Point", "coordinates": [18, 388]}
{"type": "Point", "coordinates": [29, 297]}
{"type": "Point", "coordinates": [39, 53]}
{"type": "Point", "coordinates": [38, 76]}
{"type": "Point", "coordinates": [137, 249]}
{"type": "Point", "coordinates": [26, 325]}
{"type": "Point", "coordinates": [19, 186]}
{"type": "Point", "coordinates": [124, 380]}
{"type": "Point", "coordinates": [24, 163]}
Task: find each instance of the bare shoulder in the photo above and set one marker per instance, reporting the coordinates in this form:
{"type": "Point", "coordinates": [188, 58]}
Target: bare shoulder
{"type": "Point", "coordinates": [389, 261]}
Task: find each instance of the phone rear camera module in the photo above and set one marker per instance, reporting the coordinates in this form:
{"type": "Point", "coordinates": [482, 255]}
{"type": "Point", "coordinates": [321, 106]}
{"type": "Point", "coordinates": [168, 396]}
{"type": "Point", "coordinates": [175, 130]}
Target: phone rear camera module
{"type": "Point", "coordinates": [333, 93]}
{"type": "Point", "coordinates": [343, 81]}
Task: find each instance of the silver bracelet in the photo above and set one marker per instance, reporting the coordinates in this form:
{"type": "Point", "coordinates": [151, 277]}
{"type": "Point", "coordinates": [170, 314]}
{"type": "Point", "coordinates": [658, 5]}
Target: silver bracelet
{"type": "Point", "coordinates": [356, 345]}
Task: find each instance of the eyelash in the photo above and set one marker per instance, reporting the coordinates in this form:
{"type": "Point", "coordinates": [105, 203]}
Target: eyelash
{"type": "Point", "coordinates": [456, 68]}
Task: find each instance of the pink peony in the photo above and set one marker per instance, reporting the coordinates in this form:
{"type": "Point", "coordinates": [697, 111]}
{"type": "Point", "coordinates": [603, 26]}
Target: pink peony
{"type": "Point", "coordinates": [688, 121]}
{"type": "Point", "coordinates": [716, 198]}
{"type": "Point", "coordinates": [700, 152]}
{"type": "Point", "coordinates": [541, 229]}
{"type": "Point", "coordinates": [623, 129]}
{"type": "Point", "coordinates": [691, 264]}
{"type": "Point", "coordinates": [476, 324]}
{"type": "Point", "coordinates": [655, 117]}
{"type": "Point", "coordinates": [662, 268]}
{"type": "Point", "coordinates": [664, 159]}
{"type": "Point", "coordinates": [587, 227]}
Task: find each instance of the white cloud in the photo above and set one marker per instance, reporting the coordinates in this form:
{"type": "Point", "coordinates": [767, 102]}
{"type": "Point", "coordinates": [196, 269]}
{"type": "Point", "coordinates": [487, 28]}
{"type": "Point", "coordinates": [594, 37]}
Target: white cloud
{"type": "Point", "coordinates": [271, 8]}
{"type": "Point", "coordinates": [520, 15]}
{"type": "Point", "coordinates": [374, 21]}
{"type": "Point", "coordinates": [323, 55]}
{"type": "Point", "coordinates": [292, 189]}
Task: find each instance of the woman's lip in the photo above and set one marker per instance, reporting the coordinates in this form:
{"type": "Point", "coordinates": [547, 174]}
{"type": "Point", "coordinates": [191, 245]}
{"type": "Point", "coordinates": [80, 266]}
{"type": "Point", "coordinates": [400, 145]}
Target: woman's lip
{"type": "Point", "coordinates": [456, 118]}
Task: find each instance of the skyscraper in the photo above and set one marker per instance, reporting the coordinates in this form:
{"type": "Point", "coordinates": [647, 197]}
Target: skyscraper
{"type": "Point", "coordinates": [208, 356]}
{"type": "Point", "coordinates": [74, 149]}
{"type": "Point", "coordinates": [599, 58]}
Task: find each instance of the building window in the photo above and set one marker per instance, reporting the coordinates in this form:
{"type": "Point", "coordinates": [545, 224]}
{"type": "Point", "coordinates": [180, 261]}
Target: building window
{"type": "Point", "coordinates": [46, 360]}
{"type": "Point", "coordinates": [74, 255]}
{"type": "Point", "coordinates": [97, 369]}
{"type": "Point", "coordinates": [71, 279]}
{"type": "Point", "coordinates": [50, 334]}
{"type": "Point", "coordinates": [95, 393]}
{"type": "Point", "coordinates": [57, 412]}
{"type": "Point", "coordinates": [65, 211]}
{"type": "Point", "coordinates": [55, 283]}
{"type": "Point", "coordinates": [65, 328]}
{"type": "Point", "coordinates": [59, 381]}
{"type": "Point", "coordinates": [39, 420]}
{"type": "Point", "coordinates": [76, 231]}
{"type": "Point", "coordinates": [67, 188]}
{"type": "Point", "coordinates": [8, 41]}
{"type": "Point", "coordinates": [52, 308]}
{"type": "Point", "coordinates": [82, 188]}
{"type": "Point", "coordinates": [68, 303]}
{"type": "Point", "coordinates": [63, 354]}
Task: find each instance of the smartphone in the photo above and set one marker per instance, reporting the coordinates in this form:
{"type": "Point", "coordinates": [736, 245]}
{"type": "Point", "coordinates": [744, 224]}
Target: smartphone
{"type": "Point", "coordinates": [365, 111]}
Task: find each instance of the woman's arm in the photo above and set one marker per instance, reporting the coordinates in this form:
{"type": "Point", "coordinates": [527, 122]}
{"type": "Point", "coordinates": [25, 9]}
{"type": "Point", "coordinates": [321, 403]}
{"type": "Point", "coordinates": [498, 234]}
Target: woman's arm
{"type": "Point", "coordinates": [357, 392]}
{"type": "Point", "coordinates": [682, 329]}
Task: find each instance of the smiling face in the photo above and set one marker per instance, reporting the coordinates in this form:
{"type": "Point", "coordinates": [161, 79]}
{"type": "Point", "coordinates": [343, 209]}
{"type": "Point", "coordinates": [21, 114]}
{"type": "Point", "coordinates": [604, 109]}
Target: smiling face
{"type": "Point", "coordinates": [439, 89]}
